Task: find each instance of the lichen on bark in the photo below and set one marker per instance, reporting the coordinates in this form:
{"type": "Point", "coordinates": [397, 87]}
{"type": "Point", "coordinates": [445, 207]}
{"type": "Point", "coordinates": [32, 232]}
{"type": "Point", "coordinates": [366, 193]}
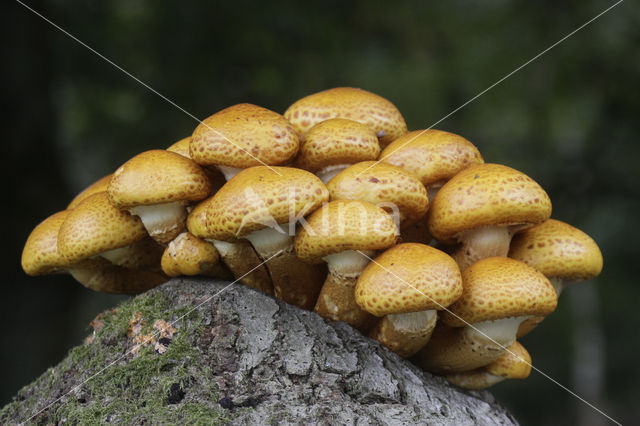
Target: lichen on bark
{"type": "Point", "coordinates": [240, 357]}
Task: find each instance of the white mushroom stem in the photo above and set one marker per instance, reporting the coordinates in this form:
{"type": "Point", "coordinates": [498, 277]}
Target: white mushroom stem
{"type": "Point", "coordinates": [244, 264]}
{"type": "Point", "coordinates": [118, 256]}
{"type": "Point", "coordinates": [406, 333]}
{"type": "Point", "coordinates": [480, 243]}
{"type": "Point", "coordinates": [455, 349]}
{"type": "Point", "coordinates": [327, 173]}
{"type": "Point", "coordinates": [337, 298]}
{"type": "Point", "coordinates": [163, 222]}
{"type": "Point", "coordinates": [228, 172]}
{"type": "Point", "coordinates": [294, 281]}
{"type": "Point", "coordinates": [142, 254]}
{"type": "Point", "coordinates": [558, 283]}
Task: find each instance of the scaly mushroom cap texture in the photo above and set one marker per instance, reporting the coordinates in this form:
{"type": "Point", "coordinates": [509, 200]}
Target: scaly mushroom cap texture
{"type": "Point", "coordinates": [487, 195]}
{"type": "Point", "coordinates": [40, 254]}
{"type": "Point", "coordinates": [558, 250]}
{"type": "Point", "coordinates": [514, 363]}
{"type": "Point", "coordinates": [433, 156]}
{"type": "Point", "coordinates": [100, 185]}
{"type": "Point", "coordinates": [242, 136]}
{"type": "Point", "coordinates": [347, 102]}
{"type": "Point", "coordinates": [335, 142]}
{"type": "Point", "coordinates": [380, 183]}
{"type": "Point", "coordinates": [197, 219]}
{"type": "Point", "coordinates": [344, 225]}
{"type": "Point", "coordinates": [96, 226]}
{"type": "Point", "coordinates": [158, 177]}
{"type": "Point", "coordinates": [261, 197]}
{"type": "Point", "coordinates": [181, 147]}
{"type": "Point", "coordinates": [409, 277]}
{"type": "Point", "coordinates": [188, 255]}
{"type": "Point", "coordinates": [499, 287]}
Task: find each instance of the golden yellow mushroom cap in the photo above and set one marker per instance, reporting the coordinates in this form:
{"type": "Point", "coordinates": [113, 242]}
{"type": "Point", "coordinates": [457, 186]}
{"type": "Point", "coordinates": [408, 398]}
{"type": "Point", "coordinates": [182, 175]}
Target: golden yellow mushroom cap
{"type": "Point", "coordinates": [409, 277]}
{"type": "Point", "coordinates": [344, 225]}
{"type": "Point", "coordinates": [487, 195]}
{"type": "Point", "coordinates": [500, 287]}
{"type": "Point", "coordinates": [354, 104]}
{"type": "Point", "coordinates": [181, 147]}
{"type": "Point", "coordinates": [40, 254]}
{"type": "Point", "coordinates": [514, 363]}
{"type": "Point", "coordinates": [335, 142]}
{"type": "Point", "coordinates": [433, 156]}
{"type": "Point", "coordinates": [242, 136]}
{"type": "Point", "coordinates": [558, 250]}
{"type": "Point", "coordinates": [189, 255]}
{"type": "Point", "coordinates": [96, 226]}
{"type": "Point", "coordinates": [260, 197]}
{"type": "Point", "coordinates": [384, 185]}
{"type": "Point", "coordinates": [158, 177]}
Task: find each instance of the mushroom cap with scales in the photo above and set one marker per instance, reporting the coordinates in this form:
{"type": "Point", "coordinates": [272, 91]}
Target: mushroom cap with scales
{"type": "Point", "coordinates": [100, 185]}
{"type": "Point", "coordinates": [384, 185]}
{"type": "Point", "coordinates": [242, 136]}
{"type": "Point", "coordinates": [40, 255]}
{"type": "Point", "coordinates": [499, 287]}
{"type": "Point", "coordinates": [336, 142]}
{"type": "Point", "coordinates": [487, 195]}
{"type": "Point", "coordinates": [261, 197]}
{"type": "Point", "coordinates": [343, 225]}
{"type": "Point", "coordinates": [96, 226]}
{"type": "Point", "coordinates": [558, 250]}
{"type": "Point", "coordinates": [409, 277]}
{"type": "Point", "coordinates": [433, 156]}
{"type": "Point", "coordinates": [158, 177]}
{"type": "Point", "coordinates": [351, 103]}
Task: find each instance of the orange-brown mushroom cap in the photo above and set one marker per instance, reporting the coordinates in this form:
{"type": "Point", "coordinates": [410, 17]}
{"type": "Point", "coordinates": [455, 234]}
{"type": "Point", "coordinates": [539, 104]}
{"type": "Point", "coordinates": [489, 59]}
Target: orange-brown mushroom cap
{"type": "Point", "coordinates": [40, 255]}
{"type": "Point", "coordinates": [189, 255]}
{"type": "Point", "coordinates": [344, 225]}
{"type": "Point", "coordinates": [409, 277]}
{"type": "Point", "coordinates": [514, 363]}
{"type": "Point", "coordinates": [336, 142]}
{"type": "Point", "coordinates": [499, 287]}
{"type": "Point", "coordinates": [242, 136]}
{"type": "Point", "coordinates": [347, 102]}
{"type": "Point", "coordinates": [384, 185]}
{"type": "Point", "coordinates": [158, 177]}
{"type": "Point", "coordinates": [100, 185]}
{"type": "Point", "coordinates": [433, 156]}
{"type": "Point", "coordinates": [260, 197]}
{"type": "Point", "coordinates": [558, 250]}
{"type": "Point", "coordinates": [96, 226]}
{"type": "Point", "coordinates": [487, 195]}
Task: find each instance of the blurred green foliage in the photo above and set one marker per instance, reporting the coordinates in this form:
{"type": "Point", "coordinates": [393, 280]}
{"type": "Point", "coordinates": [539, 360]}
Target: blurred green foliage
{"type": "Point", "coordinates": [569, 120]}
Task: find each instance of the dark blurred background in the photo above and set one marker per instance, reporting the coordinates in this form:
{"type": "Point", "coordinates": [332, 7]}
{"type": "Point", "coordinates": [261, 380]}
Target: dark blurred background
{"type": "Point", "coordinates": [569, 120]}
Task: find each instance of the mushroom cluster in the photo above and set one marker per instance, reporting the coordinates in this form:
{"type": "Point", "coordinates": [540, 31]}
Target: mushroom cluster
{"type": "Point", "coordinates": [335, 207]}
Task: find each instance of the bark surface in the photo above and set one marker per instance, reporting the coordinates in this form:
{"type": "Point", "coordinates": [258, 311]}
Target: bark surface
{"type": "Point", "coordinates": [198, 351]}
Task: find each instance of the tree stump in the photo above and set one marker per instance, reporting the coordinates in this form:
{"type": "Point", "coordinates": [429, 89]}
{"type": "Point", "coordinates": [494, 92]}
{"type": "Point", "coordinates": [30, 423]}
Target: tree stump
{"type": "Point", "coordinates": [200, 351]}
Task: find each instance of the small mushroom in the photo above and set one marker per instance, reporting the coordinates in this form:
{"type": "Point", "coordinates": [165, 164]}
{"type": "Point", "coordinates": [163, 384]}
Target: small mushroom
{"type": "Point", "coordinates": [354, 104]}
{"type": "Point", "coordinates": [216, 177]}
{"type": "Point", "coordinates": [408, 284]}
{"type": "Point", "coordinates": [498, 294]}
{"type": "Point", "coordinates": [190, 255]}
{"type": "Point", "coordinates": [336, 233]}
{"type": "Point", "coordinates": [263, 205]}
{"type": "Point", "coordinates": [41, 256]}
{"type": "Point", "coordinates": [333, 145]}
{"type": "Point", "coordinates": [432, 156]}
{"type": "Point", "coordinates": [100, 185]}
{"type": "Point", "coordinates": [242, 136]}
{"type": "Point", "coordinates": [514, 363]}
{"type": "Point", "coordinates": [239, 256]}
{"type": "Point", "coordinates": [564, 254]}
{"type": "Point", "coordinates": [384, 185]}
{"type": "Point", "coordinates": [157, 186]}
{"type": "Point", "coordinates": [482, 206]}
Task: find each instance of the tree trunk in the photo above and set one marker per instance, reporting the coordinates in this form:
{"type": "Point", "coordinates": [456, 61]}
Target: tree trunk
{"type": "Point", "coordinates": [182, 353]}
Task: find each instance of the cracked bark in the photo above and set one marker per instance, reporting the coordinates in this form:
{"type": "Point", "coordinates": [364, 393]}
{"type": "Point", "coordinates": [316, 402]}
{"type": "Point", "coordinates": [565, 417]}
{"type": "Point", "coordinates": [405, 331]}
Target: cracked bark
{"type": "Point", "coordinates": [273, 363]}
